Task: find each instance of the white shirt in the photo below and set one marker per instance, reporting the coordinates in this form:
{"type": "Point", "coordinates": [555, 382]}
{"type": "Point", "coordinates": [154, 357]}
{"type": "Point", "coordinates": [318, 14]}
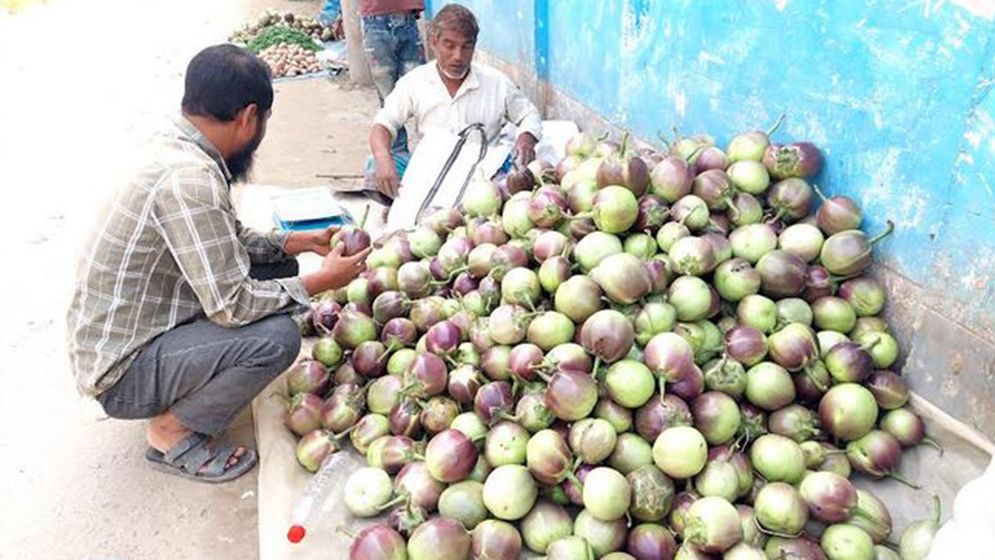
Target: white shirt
{"type": "Point", "coordinates": [420, 99]}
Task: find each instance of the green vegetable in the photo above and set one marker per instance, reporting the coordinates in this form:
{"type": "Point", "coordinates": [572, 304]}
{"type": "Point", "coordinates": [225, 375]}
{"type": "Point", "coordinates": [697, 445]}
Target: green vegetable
{"type": "Point", "coordinates": [278, 34]}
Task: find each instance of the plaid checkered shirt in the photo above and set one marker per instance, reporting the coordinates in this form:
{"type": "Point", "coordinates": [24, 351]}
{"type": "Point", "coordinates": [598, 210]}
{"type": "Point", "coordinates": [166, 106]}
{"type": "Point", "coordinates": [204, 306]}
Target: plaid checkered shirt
{"type": "Point", "coordinates": [166, 250]}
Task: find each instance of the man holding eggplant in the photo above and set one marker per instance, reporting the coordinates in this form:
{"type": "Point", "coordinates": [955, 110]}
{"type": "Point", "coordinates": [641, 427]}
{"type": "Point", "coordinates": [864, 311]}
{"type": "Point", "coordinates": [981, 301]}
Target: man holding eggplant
{"type": "Point", "coordinates": [451, 93]}
{"type": "Point", "coordinates": [180, 314]}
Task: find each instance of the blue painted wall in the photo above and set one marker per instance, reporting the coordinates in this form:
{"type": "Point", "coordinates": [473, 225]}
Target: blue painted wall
{"type": "Point", "coordinates": [897, 93]}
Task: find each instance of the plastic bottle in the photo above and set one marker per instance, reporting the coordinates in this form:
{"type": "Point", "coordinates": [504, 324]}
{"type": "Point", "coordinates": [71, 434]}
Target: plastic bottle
{"type": "Point", "coordinates": [316, 494]}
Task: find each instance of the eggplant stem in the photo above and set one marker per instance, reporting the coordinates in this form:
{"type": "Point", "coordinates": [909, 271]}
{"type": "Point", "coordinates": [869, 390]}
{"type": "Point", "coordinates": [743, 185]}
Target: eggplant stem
{"type": "Point", "coordinates": [694, 155]}
{"type": "Point", "coordinates": [932, 442]}
{"type": "Point", "coordinates": [889, 228]}
{"type": "Point", "coordinates": [780, 214]}
{"type": "Point", "coordinates": [390, 348]}
{"type": "Point", "coordinates": [857, 511]}
{"type": "Point", "coordinates": [775, 533]}
{"type": "Point", "coordinates": [528, 301]}
{"type": "Point", "coordinates": [818, 191]}
{"type": "Point", "coordinates": [572, 478]}
{"type": "Point", "coordinates": [818, 385]}
{"type": "Point", "coordinates": [343, 433]}
{"type": "Point", "coordinates": [866, 347]}
{"type": "Point", "coordinates": [937, 508]}
{"type": "Point", "coordinates": [478, 437]}
{"type": "Point", "coordinates": [733, 209]}
{"type": "Point", "coordinates": [739, 443]}
{"type": "Point", "coordinates": [366, 214]}
{"type": "Point", "coordinates": [597, 363]}
{"type": "Point", "coordinates": [903, 480]}
{"type": "Point", "coordinates": [455, 272]}
{"type": "Point", "coordinates": [624, 144]}
{"type": "Point", "coordinates": [663, 140]}
{"type": "Point", "coordinates": [396, 501]}
{"type": "Point", "coordinates": [777, 124]}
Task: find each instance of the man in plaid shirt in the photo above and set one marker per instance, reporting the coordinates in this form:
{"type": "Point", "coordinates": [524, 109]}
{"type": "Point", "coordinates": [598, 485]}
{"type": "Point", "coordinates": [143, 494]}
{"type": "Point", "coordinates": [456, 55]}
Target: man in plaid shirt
{"type": "Point", "coordinates": [180, 313]}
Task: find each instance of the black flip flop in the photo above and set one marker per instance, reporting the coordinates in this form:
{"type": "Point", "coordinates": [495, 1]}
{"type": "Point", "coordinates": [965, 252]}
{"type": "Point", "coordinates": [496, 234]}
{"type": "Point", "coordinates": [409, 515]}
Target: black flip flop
{"type": "Point", "coordinates": [198, 451]}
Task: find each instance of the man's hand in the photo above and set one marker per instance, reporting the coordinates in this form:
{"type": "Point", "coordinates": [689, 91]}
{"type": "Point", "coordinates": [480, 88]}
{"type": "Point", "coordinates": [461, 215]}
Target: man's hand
{"type": "Point", "coordinates": [387, 180]}
{"type": "Point", "coordinates": [341, 270]}
{"type": "Point", "coordinates": [310, 241]}
{"type": "Point", "coordinates": [525, 149]}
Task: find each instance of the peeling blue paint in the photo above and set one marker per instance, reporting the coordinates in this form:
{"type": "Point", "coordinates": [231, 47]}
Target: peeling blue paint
{"type": "Point", "coordinates": [896, 93]}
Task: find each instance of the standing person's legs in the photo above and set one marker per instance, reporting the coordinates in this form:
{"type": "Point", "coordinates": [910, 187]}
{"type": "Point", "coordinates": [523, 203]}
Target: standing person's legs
{"type": "Point", "coordinates": [379, 48]}
{"type": "Point", "coordinates": [410, 49]}
{"type": "Point", "coordinates": [410, 53]}
{"type": "Point", "coordinates": [382, 44]}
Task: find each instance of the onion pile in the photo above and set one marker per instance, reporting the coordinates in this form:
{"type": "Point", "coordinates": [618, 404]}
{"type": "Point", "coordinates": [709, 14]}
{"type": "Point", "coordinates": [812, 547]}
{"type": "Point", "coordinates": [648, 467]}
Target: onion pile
{"type": "Point", "coordinates": [624, 355]}
{"type": "Point", "coordinates": [290, 60]}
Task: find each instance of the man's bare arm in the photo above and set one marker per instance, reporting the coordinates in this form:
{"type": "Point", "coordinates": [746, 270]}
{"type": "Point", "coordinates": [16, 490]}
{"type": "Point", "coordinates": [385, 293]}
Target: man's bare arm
{"type": "Point", "coordinates": [387, 179]}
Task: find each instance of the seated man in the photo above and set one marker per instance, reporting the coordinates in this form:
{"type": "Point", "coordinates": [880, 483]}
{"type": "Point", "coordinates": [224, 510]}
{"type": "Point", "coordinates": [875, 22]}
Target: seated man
{"type": "Point", "coordinates": [451, 93]}
{"type": "Point", "coordinates": [181, 314]}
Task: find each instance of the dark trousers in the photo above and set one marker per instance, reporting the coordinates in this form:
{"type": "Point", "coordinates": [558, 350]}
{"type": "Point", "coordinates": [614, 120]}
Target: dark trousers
{"type": "Point", "coordinates": [205, 373]}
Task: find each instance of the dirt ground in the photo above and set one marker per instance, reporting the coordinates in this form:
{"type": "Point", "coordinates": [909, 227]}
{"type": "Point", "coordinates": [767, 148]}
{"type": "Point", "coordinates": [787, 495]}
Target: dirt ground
{"type": "Point", "coordinates": [81, 84]}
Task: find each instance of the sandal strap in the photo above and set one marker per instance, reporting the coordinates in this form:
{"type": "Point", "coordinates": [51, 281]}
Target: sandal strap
{"type": "Point", "coordinates": [192, 461]}
{"type": "Point", "coordinates": [195, 451]}
{"type": "Point", "coordinates": [219, 464]}
{"type": "Point", "coordinates": [180, 448]}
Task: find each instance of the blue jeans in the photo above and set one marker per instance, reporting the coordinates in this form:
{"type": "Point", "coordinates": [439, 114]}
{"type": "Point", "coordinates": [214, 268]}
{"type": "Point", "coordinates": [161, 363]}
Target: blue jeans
{"type": "Point", "coordinates": [393, 47]}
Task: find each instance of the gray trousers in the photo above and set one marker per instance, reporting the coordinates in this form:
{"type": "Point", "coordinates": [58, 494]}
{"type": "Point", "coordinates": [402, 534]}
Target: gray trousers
{"type": "Point", "coordinates": [205, 373]}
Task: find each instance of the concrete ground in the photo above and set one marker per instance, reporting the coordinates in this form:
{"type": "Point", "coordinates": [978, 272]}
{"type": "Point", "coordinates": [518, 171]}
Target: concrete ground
{"type": "Point", "coordinates": [82, 84]}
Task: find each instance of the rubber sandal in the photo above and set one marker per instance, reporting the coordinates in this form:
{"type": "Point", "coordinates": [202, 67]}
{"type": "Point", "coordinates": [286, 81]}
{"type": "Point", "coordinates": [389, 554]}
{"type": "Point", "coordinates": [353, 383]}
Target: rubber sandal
{"type": "Point", "coordinates": [198, 457]}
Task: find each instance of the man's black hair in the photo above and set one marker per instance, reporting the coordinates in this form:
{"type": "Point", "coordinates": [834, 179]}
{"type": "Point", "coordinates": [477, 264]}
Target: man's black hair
{"type": "Point", "coordinates": [224, 79]}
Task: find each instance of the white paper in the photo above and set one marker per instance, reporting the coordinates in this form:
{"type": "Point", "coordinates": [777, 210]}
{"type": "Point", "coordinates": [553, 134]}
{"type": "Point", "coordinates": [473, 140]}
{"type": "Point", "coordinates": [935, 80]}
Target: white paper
{"type": "Point", "coordinates": [555, 135]}
{"type": "Point", "coordinates": [426, 164]}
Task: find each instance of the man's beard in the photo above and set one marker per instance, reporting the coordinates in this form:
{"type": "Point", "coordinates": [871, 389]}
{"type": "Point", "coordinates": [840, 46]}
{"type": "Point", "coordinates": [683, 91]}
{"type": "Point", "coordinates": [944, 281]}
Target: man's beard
{"type": "Point", "coordinates": [240, 163]}
{"type": "Point", "coordinates": [445, 72]}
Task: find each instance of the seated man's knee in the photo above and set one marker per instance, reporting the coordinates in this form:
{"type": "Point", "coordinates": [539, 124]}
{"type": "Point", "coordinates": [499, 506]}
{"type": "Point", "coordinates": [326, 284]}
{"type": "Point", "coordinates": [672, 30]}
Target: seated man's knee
{"type": "Point", "coordinates": [283, 331]}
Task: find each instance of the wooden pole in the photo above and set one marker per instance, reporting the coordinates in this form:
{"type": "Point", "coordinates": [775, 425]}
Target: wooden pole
{"type": "Point", "coordinates": [359, 70]}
